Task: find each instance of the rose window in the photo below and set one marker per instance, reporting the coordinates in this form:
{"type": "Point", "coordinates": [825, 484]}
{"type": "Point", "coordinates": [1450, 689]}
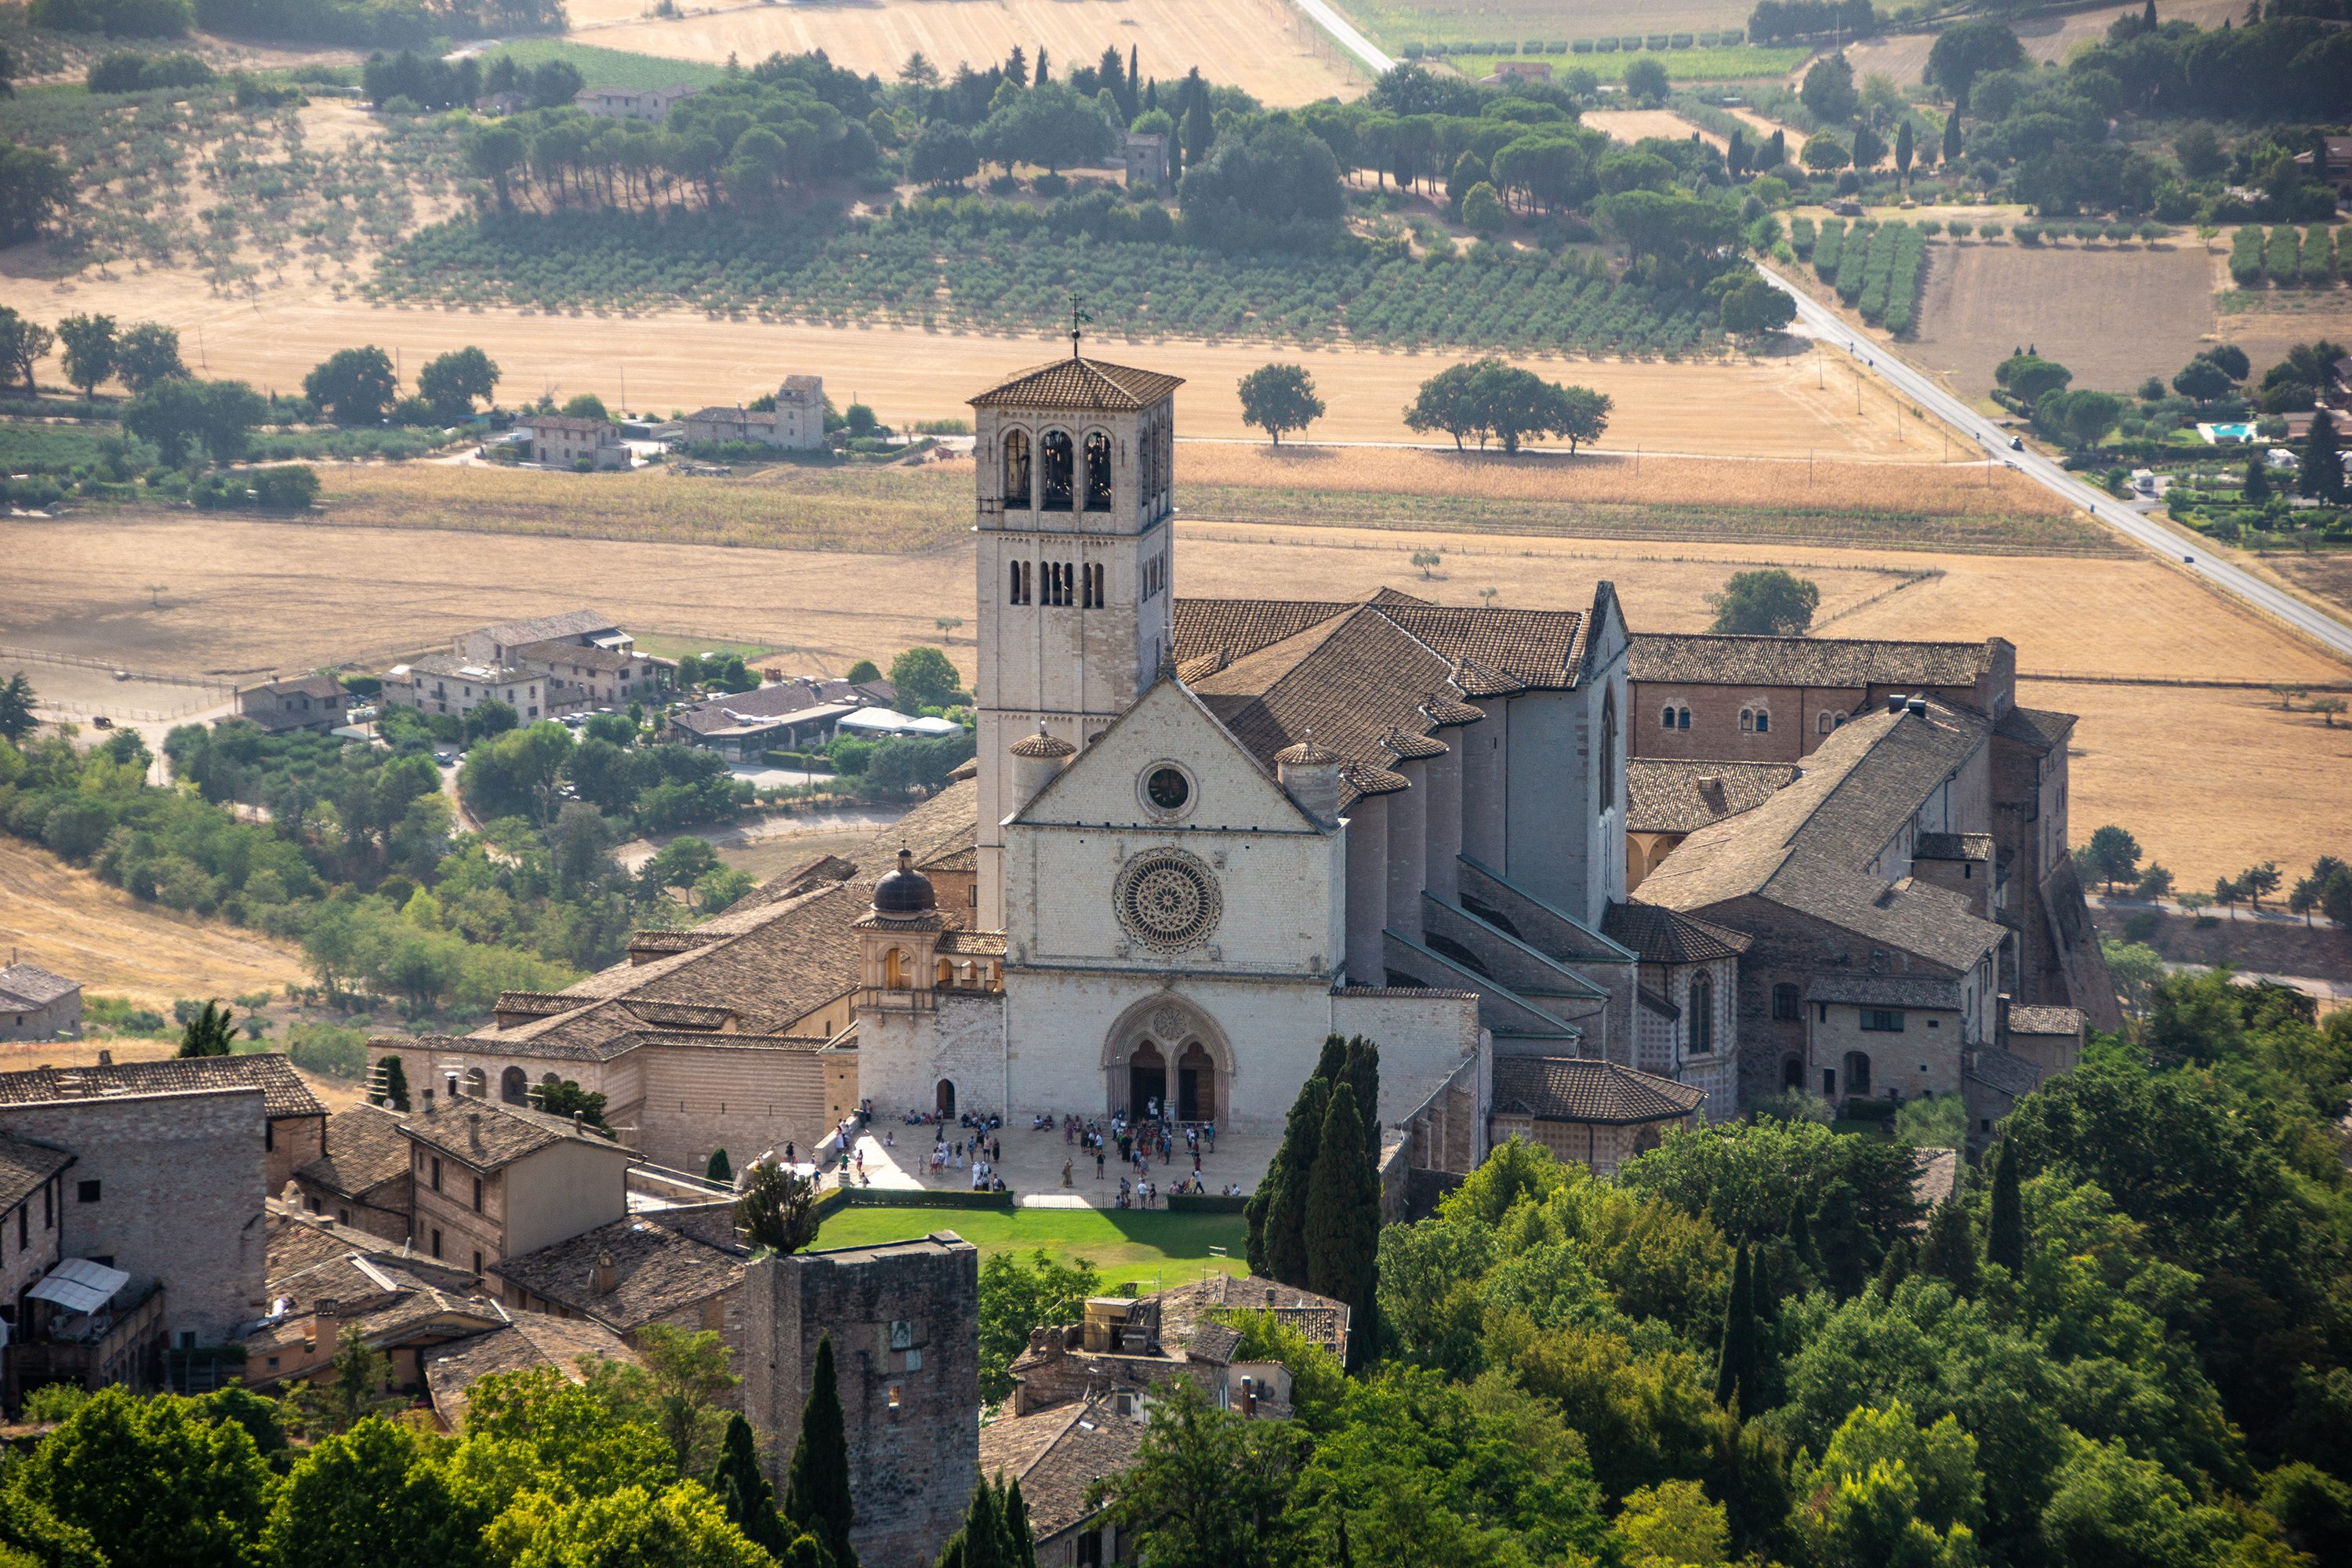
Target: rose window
{"type": "Point", "coordinates": [1167, 900]}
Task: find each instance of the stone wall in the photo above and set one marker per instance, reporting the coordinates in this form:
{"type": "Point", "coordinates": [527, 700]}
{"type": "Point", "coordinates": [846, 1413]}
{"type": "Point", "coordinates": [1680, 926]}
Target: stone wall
{"type": "Point", "coordinates": [734, 1095]}
{"type": "Point", "coordinates": [171, 1187]}
{"type": "Point", "coordinates": [905, 1325]}
{"type": "Point", "coordinates": [292, 1142]}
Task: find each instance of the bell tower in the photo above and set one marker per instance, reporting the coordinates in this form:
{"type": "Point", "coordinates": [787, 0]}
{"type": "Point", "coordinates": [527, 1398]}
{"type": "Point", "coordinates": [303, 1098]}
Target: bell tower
{"type": "Point", "coordinates": [1075, 499]}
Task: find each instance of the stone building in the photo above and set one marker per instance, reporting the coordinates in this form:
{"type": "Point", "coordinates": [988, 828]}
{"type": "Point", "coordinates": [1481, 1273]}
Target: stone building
{"type": "Point", "coordinates": [504, 642]}
{"type": "Point", "coordinates": [651, 104]}
{"type": "Point", "coordinates": [796, 422]}
{"type": "Point", "coordinates": [1774, 700]}
{"type": "Point", "coordinates": [1666, 801]}
{"type": "Point", "coordinates": [1590, 1113]}
{"type": "Point", "coordinates": [35, 1005]}
{"type": "Point", "coordinates": [449, 683]}
{"type": "Point", "coordinates": [30, 1198]}
{"type": "Point", "coordinates": [903, 1320]}
{"type": "Point", "coordinates": [1056, 1455]}
{"type": "Point", "coordinates": [315, 703]}
{"type": "Point", "coordinates": [293, 1125]}
{"type": "Point", "coordinates": [493, 1182]}
{"type": "Point", "coordinates": [362, 1176]}
{"type": "Point", "coordinates": [566, 441]}
{"type": "Point", "coordinates": [1145, 159]}
{"type": "Point", "coordinates": [1688, 998]}
{"type": "Point", "coordinates": [398, 1314]}
{"type": "Point", "coordinates": [679, 1266]}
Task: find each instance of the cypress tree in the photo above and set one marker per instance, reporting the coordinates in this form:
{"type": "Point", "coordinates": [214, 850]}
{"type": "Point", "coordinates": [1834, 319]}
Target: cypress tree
{"type": "Point", "coordinates": [1286, 1194]}
{"type": "Point", "coordinates": [1332, 1064]}
{"type": "Point", "coordinates": [1951, 1254]}
{"type": "Point", "coordinates": [1045, 72]}
{"type": "Point", "coordinates": [1020, 1546]}
{"type": "Point", "coordinates": [1895, 1269]}
{"type": "Point", "coordinates": [2005, 1231]}
{"type": "Point", "coordinates": [744, 1492]}
{"type": "Point", "coordinates": [1343, 1219]}
{"type": "Point", "coordinates": [1767, 1300]}
{"type": "Point", "coordinates": [1801, 1237]}
{"type": "Point", "coordinates": [2148, 17]}
{"type": "Point", "coordinates": [1735, 1367]}
{"type": "Point", "coordinates": [1362, 1073]}
{"type": "Point", "coordinates": [1130, 100]}
{"type": "Point", "coordinates": [1952, 137]}
{"type": "Point", "coordinates": [720, 1171]}
{"type": "Point", "coordinates": [980, 1543]}
{"type": "Point", "coordinates": [816, 1489]}
{"type": "Point", "coordinates": [2320, 475]}
{"type": "Point", "coordinates": [1200, 129]}
{"type": "Point", "coordinates": [395, 1084]}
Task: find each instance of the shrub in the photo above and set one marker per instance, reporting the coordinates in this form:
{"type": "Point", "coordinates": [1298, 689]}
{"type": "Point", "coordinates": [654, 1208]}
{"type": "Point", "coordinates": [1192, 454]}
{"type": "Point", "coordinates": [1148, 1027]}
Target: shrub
{"type": "Point", "coordinates": [292, 488]}
{"type": "Point", "coordinates": [327, 1050]}
{"type": "Point", "coordinates": [2246, 256]}
{"type": "Point", "coordinates": [2282, 258]}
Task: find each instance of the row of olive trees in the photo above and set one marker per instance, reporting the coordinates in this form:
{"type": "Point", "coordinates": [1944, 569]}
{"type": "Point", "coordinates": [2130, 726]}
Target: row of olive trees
{"type": "Point", "coordinates": [1486, 400]}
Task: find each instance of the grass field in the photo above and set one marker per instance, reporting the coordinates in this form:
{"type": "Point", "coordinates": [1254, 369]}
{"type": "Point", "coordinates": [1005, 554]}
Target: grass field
{"type": "Point", "coordinates": [71, 923]}
{"type": "Point", "coordinates": [337, 593]}
{"type": "Point", "coordinates": [1903, 55]}
{"type": "Point", "coordinates": [1393, 25]}
{"type": "Point", "coordinates": [1735, 63]}
{"type": "Point", "coordinates": [1262, 46]}
{"type": "Point", "coordinates": [1150, 1249]}
{"type": "Point", "coordinates": [600, 67]}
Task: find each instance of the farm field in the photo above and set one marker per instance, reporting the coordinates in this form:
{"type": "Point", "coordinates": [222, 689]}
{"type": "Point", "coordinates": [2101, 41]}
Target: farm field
{"type": "Point", "coordinates": [1629, 125]}
{"type": "Point", "coordinates": [1267, 48]}
{"type": "Point", "coordinates": [1697, 64]}
{"type": "Point", "coordinates": [1393, 25]}
{"type": "Point", "coordinates": [2113, 315]}
{"type": "Point", "coordinates": [71, 923]}
{"type": "Point", "coordinates": [364, 589]}
{"type": "Point", "coordinates": [688, 361]}
{"type": "Point", "coordinates": [1903, 55]}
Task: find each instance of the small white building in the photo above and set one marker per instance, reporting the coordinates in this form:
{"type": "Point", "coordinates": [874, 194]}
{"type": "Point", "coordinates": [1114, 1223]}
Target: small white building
{"type": "Point", "coordinates": [650, 104]}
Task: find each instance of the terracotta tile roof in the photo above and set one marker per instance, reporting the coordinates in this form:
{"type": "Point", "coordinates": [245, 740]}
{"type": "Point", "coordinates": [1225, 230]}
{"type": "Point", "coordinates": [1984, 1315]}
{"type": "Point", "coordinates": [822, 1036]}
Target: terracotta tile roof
{"type": "Point", "coordinates": [657, 1271]}
{"type": "Point", "coordinates": [532, 1339]}
{"type": "Point", "coordinates": [1186, 1309]}
{"type": "Point", "coordinates": [2046, 1020]}
{"type": "Point", "coordinates": [1534, 650]}
{"type": "Point", "coordinates": [485, 1136]}
{"type": "Point", "coordinates": [1886, 991]}
{"type": "Point", "coordinates": [972, 943]}
{"type": "Point", "coordinates": [1585, 1089]}
{"type": "Point", "coordinates": [299, 1240]}
{"type": "Point", "coordinates": [1664, 795]}
{"type": "Point", "coordinates": [2035, 727]}
{"type": "Point", "coordinates": [1228, 629]}
{"type": "Point", "coordinates": [543, 628]}
{"type": "Point", "coordinates": [1058, 1454]}
{"type": "Point", "coordinates": [24, 1167]}
{"type": "Point", "coordinates": [1952, 847]}
{"type": "Point", "coordinates": [283, 1092]}
{"type": "Point", "coordinates": [1808, 847]}
{"type": "Point", "coordinates": [1213, 1342]}
{"type": "Point", "coordinates": [389, 1305]}
{"type": "Point", "coordinates": [1080, 385]}
{"type": "Point", "coordinates": [28, 986]}
{"type": "Point", "coordinates": [1668, 936]}
{"type": "Point", "coordinates": [1689, 659]}
{"type": "Point", "coordinates": [364, 1149]}
{"type": "Point", "coordinates": [2012, 1075]}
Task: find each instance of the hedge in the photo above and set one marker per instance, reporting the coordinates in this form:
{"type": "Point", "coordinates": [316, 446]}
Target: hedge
{"type": "Point", "coordinates": [2283, 257]}
{"type": "Point", "coordinates": [1801, 234]}
{"type": "Point", "coordinates": [2246, 256]}
{"type": "Point", "coordinates": [926, 1198]}
{"type": "Point", "coordinates": [1853, 266]}
{"type": "Point", "coordinates": [1828, 250]}
{"type": "Point", "coordinates": [806, 761]}
{"type": "Point", "coordinates": [1205, 1202]}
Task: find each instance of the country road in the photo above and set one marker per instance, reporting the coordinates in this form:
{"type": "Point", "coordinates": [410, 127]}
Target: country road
{"type": "Point", "coordinates": [1825, 324]}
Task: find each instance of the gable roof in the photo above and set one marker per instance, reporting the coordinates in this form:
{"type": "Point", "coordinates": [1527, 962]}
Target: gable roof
{"type": "Point", "coordinates": [298, 686]}
{"type": "Point", "coordinates": [1705, 660]}
{"type": "Point", "coordinates": [656, 1271]}
{"type": "Point", "coordinates": [2035, 727]}
{"type": "Point", "coordinates": [24, 1167]}
{"type": "Point", "coordinates": [1668, 936]}
{"type": "Point", "coordinates": [1586, 1089]}
{"type": "Point", "coordinates": [1809, 846]}
{"type": "Point", "coordinates": [2047, 1020]}
{"type": "Point", "coordinates": [1671, 796]}
{"type": "Point", "coordinates": [485, 1136]}
{"type": "Point", "coordinates": [1056, 1455]}
{"type": "Point", "coordinates": [1102, 754]}
{"type": "Point", "coordinates": [364, 1149]}
{"type": "Point", "coordinates": [283, 1092]}
{"type": "Point", "coordinates": [27, 986]}
{"type": "Point", "coordinates": [542, 628]}
{"type": "Point", "coordinates": [1080, 385]}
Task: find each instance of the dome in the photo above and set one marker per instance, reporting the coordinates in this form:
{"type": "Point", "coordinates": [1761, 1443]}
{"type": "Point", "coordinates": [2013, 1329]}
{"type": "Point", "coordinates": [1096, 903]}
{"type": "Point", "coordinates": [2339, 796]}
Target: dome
{"type": "Point", "coordinates": [905, 891]}
{"type": "Point", "coordinates": [1307, 754]}
{"type": "Point", "coordinates": [1041, 744]}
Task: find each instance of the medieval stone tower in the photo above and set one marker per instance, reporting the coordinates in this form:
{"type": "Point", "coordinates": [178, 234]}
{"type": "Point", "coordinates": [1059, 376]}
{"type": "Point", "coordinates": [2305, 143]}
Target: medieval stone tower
{"type": "Point", "coordinates": [1074, 504]}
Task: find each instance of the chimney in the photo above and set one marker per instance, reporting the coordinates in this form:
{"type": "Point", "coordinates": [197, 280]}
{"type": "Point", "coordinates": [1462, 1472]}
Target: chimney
{"type": "Point", "coordinates": [1269, 1298]}
{"type": "Point", "coordinates": [1249, 1398]}
{"type": "Point", "coordinates": [1311, 776]}
{"type": "Point", "coordinates": [1918, 707]}
{"type": "Point", "coordinates": [607, 1275]}
{"type": "Point", "coordinates": [428, 1102]}
{"type": "Point", "coordinates": [1894, 702]}
{"type": "Point", "coordinates": [105, 1057]}
{"type": "Point", "coordinates": [580, 1122]}
{"type": "Point", "coordinates": [1036, 760]}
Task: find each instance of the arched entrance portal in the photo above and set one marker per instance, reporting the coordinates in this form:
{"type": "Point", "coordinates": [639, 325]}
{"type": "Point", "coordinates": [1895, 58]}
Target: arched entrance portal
{"type": "Point", "coordinates": [1165, 1048]}
{"type": "Point", "coordinates": [944, 1100]}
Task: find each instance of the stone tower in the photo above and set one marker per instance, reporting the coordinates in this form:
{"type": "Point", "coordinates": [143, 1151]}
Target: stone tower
{"type": "Point", "coordinates": [1075, 500]}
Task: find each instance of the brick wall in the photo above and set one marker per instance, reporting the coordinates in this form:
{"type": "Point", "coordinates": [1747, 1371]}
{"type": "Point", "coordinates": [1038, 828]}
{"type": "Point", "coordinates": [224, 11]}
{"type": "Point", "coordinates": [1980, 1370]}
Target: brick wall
{"type": "Point", "coordinates": [912, 1464]}
{"type": "Point", "coordinates": [181, 1180]}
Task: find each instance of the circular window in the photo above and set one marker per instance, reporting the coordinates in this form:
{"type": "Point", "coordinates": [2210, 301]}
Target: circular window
{"type": "Point", "coordinates": [1168, 789]}
{"type": "Point", "coordinates": [1167, 900]}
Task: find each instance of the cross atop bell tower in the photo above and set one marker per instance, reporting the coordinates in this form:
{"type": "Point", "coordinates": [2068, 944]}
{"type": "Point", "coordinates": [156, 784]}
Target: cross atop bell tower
{"type": "Point", "coordinates": [1074, 498]}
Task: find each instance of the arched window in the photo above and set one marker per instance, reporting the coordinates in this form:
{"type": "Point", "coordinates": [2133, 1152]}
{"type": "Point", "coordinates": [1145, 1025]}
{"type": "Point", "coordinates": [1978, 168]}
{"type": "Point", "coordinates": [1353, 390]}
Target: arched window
{"type": "Point", "coordinates": [1857, 1072]}
{"type": "Point", "coordinates": [512, 1085]}
{"type": "Point", "coordinates": [1746, 720]}
{"type": "Point", "coordinates": [894, 970]}
{"type": "Point", "coordinates": [946, 975]}
{"type": "Point", "coordinates": [1763, 721]}
{"type": "Point", "coordinates": [1702, 1016]}
{"type": "Point", "coordinates": [1608, 750]}
{"type": "Point", "coordinates": [1792, 1072]}
{"type": "Point", "coordinates": [1666, 717]}
{"type": "Point", "coordinates": [1828, 723]}
{"type": "Point", "coordinates": [1021, 582]}
{"type": "Point", "coordinates": [477, 1084]}
{"type": "Point", "coordinates": [1098, 471]}
{"type": "Point", "coordinates": [1681, 719]}
{"type": "Point", "coordinates": [1016, 469]}
{"type": "Point", "coordinates": [1053, 487]}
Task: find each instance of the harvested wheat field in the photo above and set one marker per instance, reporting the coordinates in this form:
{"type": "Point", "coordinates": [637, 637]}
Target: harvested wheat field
{"type": "Point", "coordinates": [1262, 46]}
{"type": "Point", "coordinates": [1629, 125]}
{"type": "Point", "coordinates": [2111, 314]}
{"type": "Point", "coordinates": [1769, 408]}
{"type": "Point", "coordinates": [1903, 55]}
{"type": "Point", "coordinates": [71, 923]}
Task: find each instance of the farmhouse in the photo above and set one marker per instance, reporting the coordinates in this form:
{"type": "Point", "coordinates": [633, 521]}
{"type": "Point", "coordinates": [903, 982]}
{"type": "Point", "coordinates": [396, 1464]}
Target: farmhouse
{"type": "Point", "coordinates": [651, 104]}
{"type": "Point", "coordinates": [796, 422]}
{"type": "Point", "coordinates": [35, 1005]}
{"type": "Point", "coordinates": [559, 440]}
{"type": "Point", "coordinates": [800, 713]}
{"type": "Point", "coordinates": [503, 642]}
{"type": "Point", "coordinates": [313, 702]}
{"type": "Point", "coordinates": [448, 683]}
{"type": "Point", "coordinates": [1147, 162]}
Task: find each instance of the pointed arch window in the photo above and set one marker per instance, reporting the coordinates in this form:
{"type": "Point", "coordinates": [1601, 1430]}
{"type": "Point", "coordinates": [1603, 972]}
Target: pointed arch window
{"type": "Point", "coordinates": [1608, 750]}
{"type": "Point", "coordinates": [1702, 1016]}
{"type": "Point", "coordinates": [1054, 483]}
{"type": "Point", "coordinates": [1016, 469]}
{"type": "Point", "coordinates": [1098, 471]}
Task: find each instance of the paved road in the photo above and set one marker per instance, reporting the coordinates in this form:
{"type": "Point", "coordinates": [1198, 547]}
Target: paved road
{"type": "Point", "coordinates": [1825, 324]}
{"type": "Point", "coordinates": [1354, 42]}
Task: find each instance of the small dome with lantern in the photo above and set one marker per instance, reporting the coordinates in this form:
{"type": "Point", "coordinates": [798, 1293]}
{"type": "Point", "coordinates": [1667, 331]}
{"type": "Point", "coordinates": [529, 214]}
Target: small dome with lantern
{"type": "Point", "coordinates": [906, 892]}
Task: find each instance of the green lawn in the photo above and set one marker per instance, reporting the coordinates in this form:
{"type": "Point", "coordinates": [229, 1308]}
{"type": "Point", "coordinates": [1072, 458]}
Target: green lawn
{"type": "Point", "coordinates": [1152, 1249]}
{"type": "Point", "coordinates": [608, 67]}
{"type": "Point", "coordinates": [1738, 63]}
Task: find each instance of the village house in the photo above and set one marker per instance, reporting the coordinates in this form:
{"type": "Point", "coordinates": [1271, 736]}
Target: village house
{"type": "Point", "coordinates": [315, 703]}
{"type": "Point", "coordinates": [611, 677]}
{"type": "Point", "coordinates": [565, 441]}
{"type": "Point", "coordinates": [528, 1343]}
{"type": "Point", "coordinates": [362, 1176]}
{"type": "Point", "coordinates": [35, 1005]}
{"type": "Point", "coordinates": [795, 714]}
{"type": "Point", "coordinates": [1146, 157]}
{"type": "Point", "coordinates": [448, 683]}
{"type": "Point", "coordinates": [795, 422]}
{"type": "Point", "coordinates": [397, 1314]}
{"type": "Point", "coordinates": [651, 104]}
{"type": "Point", "coordinates": [492, 1182]}
{"type": "Point", "coordinates": [678, 1266]}
{"type": "Point", "coordinates": [504, 641]}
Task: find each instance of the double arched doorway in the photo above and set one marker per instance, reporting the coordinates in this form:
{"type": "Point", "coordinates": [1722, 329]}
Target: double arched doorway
{"type": "Point", "coordinates": [1167, 1054]}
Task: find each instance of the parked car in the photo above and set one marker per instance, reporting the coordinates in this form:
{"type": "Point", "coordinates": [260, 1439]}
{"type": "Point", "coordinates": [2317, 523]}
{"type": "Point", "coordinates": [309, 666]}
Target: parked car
{"type": "Point", "coordinates": [100, 721]}
{"type": "Point", "coordinates": [2016, 444]}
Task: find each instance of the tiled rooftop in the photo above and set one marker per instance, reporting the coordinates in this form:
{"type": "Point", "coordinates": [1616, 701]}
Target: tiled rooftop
{"type": "Point", "coordinates": [656, 1271]}
{"type": "Point", "coordinates": [1698, 659]}
{"type": "Point", "coordinates": [284, 1092]}
{"type": "Point", "coordinates": [1080, 385]}
{"type": "Point", "coordinates": [1585, 1089]}
{"type": "Point", "coordinates": [1664, 795]}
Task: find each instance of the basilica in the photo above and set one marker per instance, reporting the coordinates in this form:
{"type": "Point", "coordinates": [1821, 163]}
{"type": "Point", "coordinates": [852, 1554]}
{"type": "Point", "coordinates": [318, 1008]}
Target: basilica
{"type": "Point", "coordinates": [1580, 884]}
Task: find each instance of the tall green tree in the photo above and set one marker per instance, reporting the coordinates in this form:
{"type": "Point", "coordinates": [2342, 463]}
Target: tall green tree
{"type": "Point", "coordinates": [1279, 398]}
{"type": "Point", "coordinates": [1208, 1489]}
{"type": "Point", "coordinates": [209, 1032]}
{"type": "Point", "coordinates": [376, 1496]}
{"type": "Point", "coordinates": [354, 386]}
{"type": "Point", "coordinates": [925, 677]}
{"type": "Point", "coordinates": [89, 349]}
{"type": "Point", "coordinates": [2320, 473]}
{"type": "Point", "coordinates": [675, 1387]}
{"type": "Point", "coordinates": [148, 352]}
{"type": "Point", "coordinates": [1276, 1212]}
{"type": "Point", "coordinates": [817, 1487]}
{"type": "Point", "coordinates": [1765, 603]}
{"type": "Point", "coordinates": [150, 1480]}
{"type": "Point", "coordinates": [1950, 1253]}
{"type": "Point", "coordinates": [2005, 1227]}
{"type": "Point", "coordinates": [1342, 1222]}
{"type": "Point", "coordinates": [744, 1492]}
{"type": "Point", "coordinates": [1735, 1365]}
{"type": "Point", "coordinates": [16, 717]}
{"type": "Point", "coordinates": [452, 383]}
{"type": "Point", "coordinates": [995, 1529]}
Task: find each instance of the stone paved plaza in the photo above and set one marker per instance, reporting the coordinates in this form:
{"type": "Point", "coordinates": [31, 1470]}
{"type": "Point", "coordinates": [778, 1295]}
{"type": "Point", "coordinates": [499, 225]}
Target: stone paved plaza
{"type": "Point", "coordinates": [898, 1155]}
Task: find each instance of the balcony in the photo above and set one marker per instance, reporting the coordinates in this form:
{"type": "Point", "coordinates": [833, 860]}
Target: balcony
{"type": "Point", "coordinates": [115, 1346]}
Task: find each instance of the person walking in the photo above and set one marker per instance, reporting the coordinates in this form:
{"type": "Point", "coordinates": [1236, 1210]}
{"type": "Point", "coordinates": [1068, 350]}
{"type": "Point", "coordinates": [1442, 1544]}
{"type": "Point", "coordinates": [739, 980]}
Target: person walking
{"type": "Point", "coordinates": [1066, 1175]}
{"type": "Point", "coordinates": [1098, 1164]}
